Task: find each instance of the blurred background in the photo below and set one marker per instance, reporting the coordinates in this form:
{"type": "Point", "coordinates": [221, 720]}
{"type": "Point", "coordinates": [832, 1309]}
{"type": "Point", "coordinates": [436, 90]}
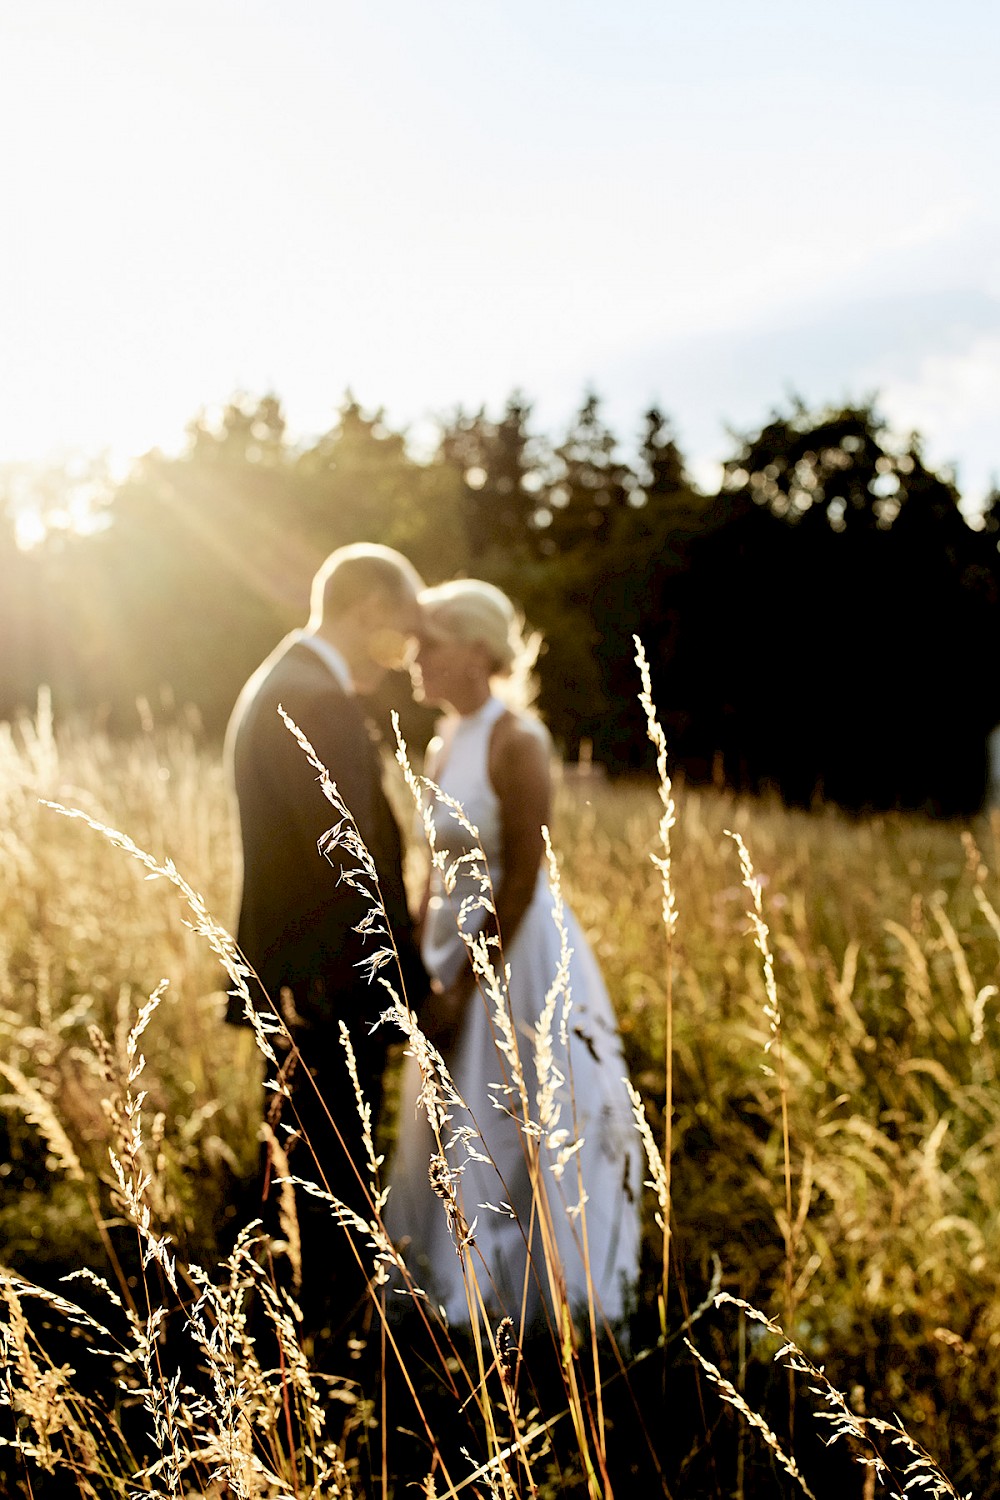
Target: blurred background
{"type": "Point", "coordinates": [674, 320]}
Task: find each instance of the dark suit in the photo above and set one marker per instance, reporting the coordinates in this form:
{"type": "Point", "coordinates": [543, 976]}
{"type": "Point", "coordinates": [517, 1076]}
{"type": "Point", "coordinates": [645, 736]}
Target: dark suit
{"type": "Point", "coordinates": [297, 928]}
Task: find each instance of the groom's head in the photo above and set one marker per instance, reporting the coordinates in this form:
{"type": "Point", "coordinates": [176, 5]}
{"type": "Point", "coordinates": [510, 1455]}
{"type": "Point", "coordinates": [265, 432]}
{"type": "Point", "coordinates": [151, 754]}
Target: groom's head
{"type": "Point", "coordinates": [364, 601]}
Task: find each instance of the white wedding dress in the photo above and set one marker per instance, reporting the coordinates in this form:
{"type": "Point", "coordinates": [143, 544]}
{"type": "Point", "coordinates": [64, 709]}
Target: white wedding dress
{"type": "Point", "coordinates": [586, 1099]}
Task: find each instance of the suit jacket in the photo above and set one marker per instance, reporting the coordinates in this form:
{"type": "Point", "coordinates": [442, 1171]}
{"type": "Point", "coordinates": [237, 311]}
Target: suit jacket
{"type": "Point", "coordinates": [297, 919]}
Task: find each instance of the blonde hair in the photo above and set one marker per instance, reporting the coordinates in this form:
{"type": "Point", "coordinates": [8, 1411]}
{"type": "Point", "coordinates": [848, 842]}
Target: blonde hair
{"type": "Point", "coordinates": [479, 614]}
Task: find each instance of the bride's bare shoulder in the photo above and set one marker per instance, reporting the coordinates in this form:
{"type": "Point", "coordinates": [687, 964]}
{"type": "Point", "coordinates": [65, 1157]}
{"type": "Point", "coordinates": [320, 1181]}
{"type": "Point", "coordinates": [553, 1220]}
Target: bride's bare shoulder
{"type": "Point", "coordinates": [519, 741]}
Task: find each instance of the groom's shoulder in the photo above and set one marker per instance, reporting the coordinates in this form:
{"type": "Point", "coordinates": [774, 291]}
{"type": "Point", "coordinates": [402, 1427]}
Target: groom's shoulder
{"type": "Point", "coordinates": [292, 675]}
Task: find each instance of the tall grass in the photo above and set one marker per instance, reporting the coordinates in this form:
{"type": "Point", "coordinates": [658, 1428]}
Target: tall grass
{"type": "Point", "coordinates": [847, 1189]}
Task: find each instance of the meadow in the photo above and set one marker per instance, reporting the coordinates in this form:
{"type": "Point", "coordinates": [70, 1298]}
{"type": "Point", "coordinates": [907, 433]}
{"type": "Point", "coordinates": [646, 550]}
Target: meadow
{"type": "Point", "coordinates": [829, 1159]}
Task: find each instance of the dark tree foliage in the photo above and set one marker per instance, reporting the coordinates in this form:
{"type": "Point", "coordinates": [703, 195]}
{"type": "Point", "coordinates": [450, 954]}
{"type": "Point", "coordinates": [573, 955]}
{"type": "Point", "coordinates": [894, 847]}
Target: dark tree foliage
{"type": "Point", "coordinates": [591, 486]}
{"type": "Point", "coordinates": [820, 625]}
{"type": "Point", "coordinates": [861, 600]}
{"type": "Point", "coordinates": [503, 469]}
{"type": "Point", "coordinates": [643, 588]}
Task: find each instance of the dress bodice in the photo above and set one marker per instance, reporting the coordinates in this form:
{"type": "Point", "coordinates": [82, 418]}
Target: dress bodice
{"type": "Point", "coordinates": [462, 772]}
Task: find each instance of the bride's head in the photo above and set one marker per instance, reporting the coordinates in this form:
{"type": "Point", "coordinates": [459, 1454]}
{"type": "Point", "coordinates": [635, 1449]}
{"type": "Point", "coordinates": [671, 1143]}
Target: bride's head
{"type": "Point", "coordinates": [473, 637]}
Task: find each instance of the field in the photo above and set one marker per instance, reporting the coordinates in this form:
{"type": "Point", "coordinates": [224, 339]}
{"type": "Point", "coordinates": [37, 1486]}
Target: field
{"type": "Point", "coordinates": [834, 1144]}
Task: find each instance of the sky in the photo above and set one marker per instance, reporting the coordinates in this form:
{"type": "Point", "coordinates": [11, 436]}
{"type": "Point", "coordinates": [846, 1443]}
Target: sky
{"type": "Point", "coordinates": [705, 205]}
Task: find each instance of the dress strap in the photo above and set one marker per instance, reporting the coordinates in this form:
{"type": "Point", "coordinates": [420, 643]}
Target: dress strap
{"type": "Point", "coordinates": [491, 713]}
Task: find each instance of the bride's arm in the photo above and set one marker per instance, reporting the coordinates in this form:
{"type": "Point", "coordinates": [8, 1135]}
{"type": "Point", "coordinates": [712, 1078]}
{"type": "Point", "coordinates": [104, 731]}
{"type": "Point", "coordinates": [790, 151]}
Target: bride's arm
{"type": "Point", "coordinates": [519, 771]}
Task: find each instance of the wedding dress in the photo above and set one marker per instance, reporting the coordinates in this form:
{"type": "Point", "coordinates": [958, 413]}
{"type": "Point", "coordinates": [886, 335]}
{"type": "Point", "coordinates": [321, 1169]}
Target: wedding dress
{"type": "Point", "coordinates": [575, 1093]}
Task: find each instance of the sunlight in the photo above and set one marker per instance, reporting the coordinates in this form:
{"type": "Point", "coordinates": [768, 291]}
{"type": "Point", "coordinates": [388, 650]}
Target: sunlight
{"type": "Point", "coordinates": [29, 530]}
{"type": "Point", "coordinates": [181, 230]}
{"type": "Point", "coordinates": [69, 493]}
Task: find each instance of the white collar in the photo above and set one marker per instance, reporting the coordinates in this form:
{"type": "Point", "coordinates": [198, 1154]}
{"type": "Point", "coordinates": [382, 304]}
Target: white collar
{"type": "Point", "coordinates": [329, 654]}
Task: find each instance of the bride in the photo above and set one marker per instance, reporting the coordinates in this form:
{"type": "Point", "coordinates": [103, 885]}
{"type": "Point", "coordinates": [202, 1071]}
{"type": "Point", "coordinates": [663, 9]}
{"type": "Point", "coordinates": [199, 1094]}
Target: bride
{"type": "Point", "coordinates": [538, 1210]}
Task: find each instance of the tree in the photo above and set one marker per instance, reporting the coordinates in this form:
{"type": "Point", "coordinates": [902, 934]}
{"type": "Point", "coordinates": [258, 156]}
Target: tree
{"type": "Point", "coordinates": [590, 487]}
{"type": "Point", "coordinates": [27, 659]}
{"type": "Point", "coordinates": [857, 611]}
{"type": "Point", "coordinates": [503, 468]}
{"type": "Point", "coordinates": [248, 432]}
{"type": "Point", "coordinates": [641, 587]}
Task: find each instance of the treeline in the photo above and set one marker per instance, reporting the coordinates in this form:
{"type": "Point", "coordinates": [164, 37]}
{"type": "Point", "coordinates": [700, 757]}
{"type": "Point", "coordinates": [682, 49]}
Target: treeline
{"type": "Point", "coordinates": [826, 623]}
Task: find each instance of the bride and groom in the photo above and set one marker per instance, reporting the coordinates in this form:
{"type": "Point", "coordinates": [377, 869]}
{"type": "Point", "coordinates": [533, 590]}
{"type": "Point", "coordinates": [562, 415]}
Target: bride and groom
{"type": "Point", "coordinates": [299, 931]}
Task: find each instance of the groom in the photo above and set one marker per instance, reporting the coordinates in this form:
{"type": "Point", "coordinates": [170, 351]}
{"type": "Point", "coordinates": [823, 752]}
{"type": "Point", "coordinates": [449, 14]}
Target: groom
{"type": "Point", "coordinates": [298, 919]}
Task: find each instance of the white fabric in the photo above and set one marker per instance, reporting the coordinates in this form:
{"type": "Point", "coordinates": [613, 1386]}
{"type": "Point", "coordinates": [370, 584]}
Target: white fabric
{"type": "Point", "coordinates": [593, 1091]}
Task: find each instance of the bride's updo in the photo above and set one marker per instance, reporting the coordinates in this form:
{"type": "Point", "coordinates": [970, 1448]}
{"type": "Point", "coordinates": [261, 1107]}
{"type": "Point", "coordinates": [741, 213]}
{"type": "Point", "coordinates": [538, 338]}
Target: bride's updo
{"type": "Point", "coordinates": [479, 614]}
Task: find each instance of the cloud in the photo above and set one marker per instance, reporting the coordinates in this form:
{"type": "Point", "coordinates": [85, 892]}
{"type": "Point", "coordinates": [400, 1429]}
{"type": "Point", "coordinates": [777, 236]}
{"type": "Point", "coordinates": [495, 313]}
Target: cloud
{"type": "Point", "coordinates": [953, 398]}
{"type": "Point", "coordinates": [931, 359]}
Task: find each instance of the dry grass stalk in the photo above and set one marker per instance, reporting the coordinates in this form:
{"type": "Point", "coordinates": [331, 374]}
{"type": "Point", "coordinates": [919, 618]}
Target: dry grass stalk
{"type": "Point", "coordinates": [729, 1393]}
{"type": "Point", "coordinates": [899, 1043]}
{"type": "Point", "coordinates": [38, 1110]}
{"type": "Point", "coordinates": [919, 1473]}
{"type": "Point", "coordinates": [265, 1025]}
{"type": "Point", "coordinates": [663, 863]}
{"type": "Point", "coordinates": [791, 1225]}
